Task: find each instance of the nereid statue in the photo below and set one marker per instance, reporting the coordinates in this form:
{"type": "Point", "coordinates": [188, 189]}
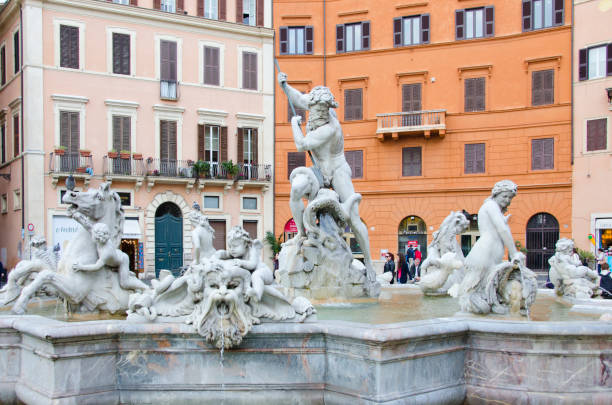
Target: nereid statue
{"type": "Point", "coordinates": [490, 283]}
{"type": "Point", "coordinates": [569, 276]}
{"type": "Point", "coordinates": [325, 143]}
{"type": "Point", "coordinates": [202, 235]}
{"type": "Point", "coordinates": [444, 264]}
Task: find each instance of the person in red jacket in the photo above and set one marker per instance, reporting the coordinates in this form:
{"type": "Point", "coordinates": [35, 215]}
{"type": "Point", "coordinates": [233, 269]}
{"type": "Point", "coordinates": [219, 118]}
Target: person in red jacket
{"type": "Point", "coordinates": [417, 254]}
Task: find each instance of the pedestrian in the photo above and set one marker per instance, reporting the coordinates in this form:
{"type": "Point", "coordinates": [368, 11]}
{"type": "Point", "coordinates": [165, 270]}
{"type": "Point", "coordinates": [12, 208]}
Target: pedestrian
{"type": "Point", "coordinates": [275, 261]}
{"type": "Point", "coordinates": [3, 275]}
{"type": "Point", "coordinates": [417, 269]}
{"type": "Point", "coordinates": [605, 283]}
{"type": "Point", "coordinates": [601, 258]}
{"type": "Point", "coordinates": [417, 254]}
{"type": "Point", "coordinates": [410, 255]}
{"type": "Point", "coordinates": [402, 269]}
{"type": "Point", "coordinates": [390, 266]}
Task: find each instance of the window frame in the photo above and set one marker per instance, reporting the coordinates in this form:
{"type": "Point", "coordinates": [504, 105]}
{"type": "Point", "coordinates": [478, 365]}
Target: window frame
{"type": "Point", "coordinates": [57, 23]}
{"type": "Point", "coordinates": [399, 36]}
{"type": "Point", "coordinates": [607, 135]}
{"type": "Point", "coordinates": [122, 108]}
{"type": "Point", "coordinates": [179, 56]}
{"type": "Point", "coordinates": [3, 140]}
{"type": "Point", "coordinates": [168, 113]}
{"type": "Point", "coordinates": [17, 54]}
{"type": "Point", "coordinates": [308, 45]}
{"type": "Point", "coordinates": [543, 91]}
{"type": "Point", "coordinates": [353, 175]}
{"type": "Point", "coordinates": [219, 196]}
{"type": "Point", "coordinates": [345, 104]}
{"type": "Point", "coordinates": [341, 42]}
{"type": "Point", "coordinates": [257, 197]}
{"type": "Point", "coordinates": [253, 17]}
{"type": "Point", "coordinates": [461, 29]}
{"type": "Point", "coordinates": [70, 104]}
{"type": "Point", "coordinates": [164, 3]}
{"type": "Point", "coordinates": [109, 50]}
{"type": "Point", "coordinates": [17, 149]}
{"type": "Point", "coordinates": [528, 19]}
{"type": "Point", "coordinates": [258, 76]}
{"type": "Point", "coordinates": [420, 148]}
{"type": "Point", "coordinates": [3, 65]}
{"type": "Point", "coordinates": [532, 143]}
{"type": "Point", "coordinates": [202, 68]}
{"type": "Point", "coordinates": [484, 96]}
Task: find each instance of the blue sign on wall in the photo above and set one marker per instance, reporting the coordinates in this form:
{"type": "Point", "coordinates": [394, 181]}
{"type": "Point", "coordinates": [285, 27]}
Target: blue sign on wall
{"type": "Point", "coordinates": [140, 256]}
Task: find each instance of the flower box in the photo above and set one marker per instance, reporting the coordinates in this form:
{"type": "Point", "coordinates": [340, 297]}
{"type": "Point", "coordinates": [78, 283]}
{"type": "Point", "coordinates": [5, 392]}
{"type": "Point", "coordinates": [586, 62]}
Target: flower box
{"type": "Point", "coordinates": [113, 155]}
{"type": "Point", "coordinates": [81, 169]}
{"type": "Point", "coordinates": [85, 153]}
{"type": "Point", "coordinates": [137, 156]}
{"type": "Point", "coordinates": [123, 155]}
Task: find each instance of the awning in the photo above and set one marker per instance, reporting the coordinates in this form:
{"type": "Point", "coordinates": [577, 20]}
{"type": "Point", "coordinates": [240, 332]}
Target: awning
{"type": "Point", "coordinates": [131, 229]}
{"type": "Point", "coordinates": [290, 226]}
{"type": "Point", "coordinates": [603, 223]}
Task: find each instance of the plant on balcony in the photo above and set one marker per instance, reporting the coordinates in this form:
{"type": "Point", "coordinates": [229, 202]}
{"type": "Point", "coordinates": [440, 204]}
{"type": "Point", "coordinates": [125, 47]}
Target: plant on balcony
{"type": "Point", "coordinates": [201, 168]}
{"type": "Point", "coordinates": [231, 170]}
{"type": "Point", "coordinates": [137, 156]}
{"type": "Point", "coordinates": [112, 154]}
{"type": "Point", "coordinates": [81, 169]}
{"type": "Point", "coordinates": [85, 152]}
{"type": "Point", "coordinates": [125, 154]}
{"type": "Point", "coordinates": [59, 150]}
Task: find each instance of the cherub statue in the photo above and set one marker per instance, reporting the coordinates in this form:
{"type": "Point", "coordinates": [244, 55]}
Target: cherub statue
{"type": "Point", "coordinates": [569, 276]}
{"type": "Point", "coordinates": [112, 257]}
{"type": "Point", "coordinates": [245, 253]}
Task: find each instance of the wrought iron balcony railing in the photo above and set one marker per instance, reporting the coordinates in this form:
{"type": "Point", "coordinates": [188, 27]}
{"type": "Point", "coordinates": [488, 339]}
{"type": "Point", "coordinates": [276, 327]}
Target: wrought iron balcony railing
{"type": "Point", "coordinates": [255, 172]}
{"type": "Point", "coordinates": [168, 168]}
{"type": "Point", "coordinates": [70, 163]}
{"type": "Point", "coordinates": [123, 167]}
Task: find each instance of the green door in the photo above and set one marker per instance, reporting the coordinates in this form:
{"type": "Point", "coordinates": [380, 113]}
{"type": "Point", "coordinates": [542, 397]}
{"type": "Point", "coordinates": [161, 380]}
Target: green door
{"type": "Point", "coordinates": [168, 243]}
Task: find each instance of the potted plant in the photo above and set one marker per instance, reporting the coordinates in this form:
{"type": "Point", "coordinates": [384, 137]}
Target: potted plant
{"type": "Point", "coordinates": [201, 168]}
{"type": "Point", "coordinates": [125, 154]}
{"type": "Point", "coordinates": [59, 150]}
{"type": "Point", "coordinates": [85, 152]}
{"type": "Point", "coordinates": [81, 169]}
{"type": "Point", "coordinates": [137, 156]}
{"type": "Point", "coordinates": [112, 154]}
{"type": "Point", "coordinates": [230, 169]}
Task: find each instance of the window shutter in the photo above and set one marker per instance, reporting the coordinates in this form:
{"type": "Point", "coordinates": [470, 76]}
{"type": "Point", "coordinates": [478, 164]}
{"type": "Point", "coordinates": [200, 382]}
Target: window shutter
{"type": "Point", "coordinates": [3, 65]}
{"type": "Point", "coordinates": [240, 146]}
{"type": "Point", "coordinates": [239, 18]}
{"type": "Point", "coordinates": [489, 21]}
{"type": "Point", "coordinates": [468, 94]}
{"type": "Point", "coordinates": [416, 97]}
{"type": "Point", "coordinates": [74, 132]}
{"type": "Point", "coordinates": [254, 144]}
{"type": "Point", "coordinates": [536, 88]}
{"type": "Point", "coordinates": [222, 10]}
{"type": "Point", "coordinates": [172, 140]}
{"type": "Point", "coordinates": [200, 142]}
{"type": "Point", "coordinates": [164, 60]}
{"type": "Point", "coordinates": [340, 38]}
{"type": "Point", "coordinates": [16, 135]}
{"type": "Point", "coordinates": [223, 143]}
{"type": "Point", "coordinates": [526, 15]}
{"type": "Point", "coordinates": [69, 46]}
{"type": "Point", "coordinates": [201, 8]}
{"type": "Point", "coordinates": [251, 228]}
{"type": "Point", "coordinates": [121, 53]}
{"type": "Point", "coordinates": [459, 24]}
{"type": "Point", "coordinates": [411, 161]}
{"type": "Point", "coordinates": [163, 139]}
{"type": "Point", "coordinates": [358, 102]}
{"type": "Point", "coordinates": [309, 35]}
{"type": "Point", "coordinates": [133, 2]}
{"type": "Point", "coordinates": [211, 66]}
{"type": "Point", "coordinates": [365, 35]}
{"type": "Point", "coordinates": [260, 13]}
{"type": "Point", "coordinates": [596, 134]}
{"type": "Point", "coordinates": [180, 6]}
{"type": "Point", "coordinates": [548, 87]}
{"type": "Point", "coordinates": [469, 158]}
{"type": "Point", "coordinates": [157, 4]}
{"type": "Point", "coordinates": [16, 52]}
{"type": "Point", "coordinates": [397, 31]}
{"type": "Point", "coordinates": [480, 158]}
{"type": "Point", "coordinates": [284, 40]}
{"type": "Point", "coordinates": [219, 226]}
{"type": "Point", "coordinates": [558, 19]}
{"type": "Point", "coordinates": [249, 71]}
{"type": "Point", "coordinates": [64, 128]}
{"type": "Point", "coordinates": [295, 159]}
{"type": "Point", "coordinates": [536, 154]}
{"type": "Point", "coordinates": [608, 64]}
{"type": "Point", "coordinates": [126, 133]}
{"type": "Point", "coordinates": [583, 64]}
{"type": "Point", "coordinates": [479, 90]}
{"type": "Point", "coordinates": [116, 132]}
{"type": "Point", "coordinates": [425, 28]}
{"type": "Point", "coordinates": [548, 153]}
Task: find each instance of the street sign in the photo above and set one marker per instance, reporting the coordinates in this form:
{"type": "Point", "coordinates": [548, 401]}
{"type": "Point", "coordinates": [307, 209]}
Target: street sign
{"type": "Point", "coordinates": [30, 227]}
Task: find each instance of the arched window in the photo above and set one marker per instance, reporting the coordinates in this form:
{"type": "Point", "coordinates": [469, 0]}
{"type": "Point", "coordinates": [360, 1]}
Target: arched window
{"type": "Point", "coordinates": [542, 234]}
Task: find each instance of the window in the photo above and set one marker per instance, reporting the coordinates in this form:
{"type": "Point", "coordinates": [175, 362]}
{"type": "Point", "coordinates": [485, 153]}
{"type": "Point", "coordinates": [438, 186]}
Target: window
{"type": "Point", "coordinates": [125, 2]}
{"type": "Point", "coordinates": [219, 226]}
{"type": "Point", "coordinates": [249, 70]}
{"type": "Point", "coordinates": [251, 228]}
{"type": "Point", "coordinates": [475, 23]}
{"type": "Point", "coordinates": [167, 132]}
{"type": "Point", "coordinates": [4, 204]}
{"type": "Point", "coordinates": [212, 145]}
{"type": "Point", "coordinates": [596, 135]}
{"type": "Point", "coordinates": [249, 16]}
{"type": "Point", "coordinates": [16, 48]}
{"type": "Point", "coordinates": [539, 14]}
{"type": "Point", "coordinates": [298, 111]}
{"type": "Point", "coordinates": [3, 65]}
{"type": "Point", "coordinates": [16, 143]}
{"type": "Point", "coordinates": [595, 62]}
{"type": "Point", "coordinates": [16, 200]}
{"type": "Point", "coordinates": [353, 37]}
{"type": "Point", "coordinates": [542, 154]}
{"type": "Point", "coordinates": [247, 146]}
{"type": "Point", "coordinates": [3, 135]}
{"type": "Point", "coordinates": [125, 197]}
{"type": "Point", "coordinates": [249, 203]}
{"type": "Point", "coordinates": [411, 101]}
{"type": "Point", "coordinates": [122, 131]}
{"type": "Point", "coordinates": [70, 131]}
{"type": "Point", "coordinates": [69, 46]}
{"type": "Point", "coordinates": [474, 158]}
{"type": "Point", "coordinates": [211, 202]}
{"type": "Point", "coordinates": [211, 9]}
{"type": "Point", "coordinates": [542, 87]}
{"type": "Point", "coordinates": [411, 161]}
{"type": "Point", "coordinates": [295, 159]}
{"type": "Point", "coordinates": [353, 105]}
{"type": "Point", "coordinates": [211, 66]}
{"type": "Point", "coordinates": [121, 54]}
{"type": "Point", "coordinates": [168, 6]}
{"type": "Point", "coordinates": [296, 40]}
{"type": "Point", "coordinates": [168, 70]}
{"type": "Point", "coordinates": [475, 94]}
{"type": "Point", "coordinates": [354, 158]}
{"type": "Point", "coordinates": [411, 30]}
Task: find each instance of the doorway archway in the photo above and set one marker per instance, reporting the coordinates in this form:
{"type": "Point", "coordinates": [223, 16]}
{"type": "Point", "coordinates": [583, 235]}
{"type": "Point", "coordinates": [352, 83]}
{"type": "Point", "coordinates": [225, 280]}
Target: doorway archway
{"type": "Point", "coordinates": [410, 230]}
{"type": "Point", "coordinates": [168, 238]}
{"type": "Point", "coordinates": [542, 234]}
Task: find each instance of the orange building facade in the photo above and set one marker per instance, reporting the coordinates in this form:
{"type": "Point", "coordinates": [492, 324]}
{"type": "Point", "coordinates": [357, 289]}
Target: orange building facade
{"type": "Point", "coordinates": [438, 101]}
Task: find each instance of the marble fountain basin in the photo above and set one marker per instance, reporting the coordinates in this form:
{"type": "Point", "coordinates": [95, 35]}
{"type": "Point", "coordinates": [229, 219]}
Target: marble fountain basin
{"type": "Point", "coordinates": [416, 353]}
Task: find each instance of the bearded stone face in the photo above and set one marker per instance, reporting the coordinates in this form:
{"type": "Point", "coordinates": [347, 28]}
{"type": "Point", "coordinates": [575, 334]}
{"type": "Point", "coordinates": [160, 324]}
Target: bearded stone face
{"type": "Point", "coordinates": [223, 317]}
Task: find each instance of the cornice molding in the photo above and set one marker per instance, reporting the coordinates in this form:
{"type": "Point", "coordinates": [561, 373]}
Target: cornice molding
{"type": "Point", "coordinates": [69, 99]}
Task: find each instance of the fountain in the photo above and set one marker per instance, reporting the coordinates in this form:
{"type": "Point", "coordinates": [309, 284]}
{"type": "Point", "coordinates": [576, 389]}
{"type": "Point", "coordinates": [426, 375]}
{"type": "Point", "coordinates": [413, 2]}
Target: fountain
{"type": "Point", "coordinates": [224, 332]}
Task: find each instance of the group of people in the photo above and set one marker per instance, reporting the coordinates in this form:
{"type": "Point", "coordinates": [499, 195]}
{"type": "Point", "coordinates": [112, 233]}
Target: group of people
{"type": "Point", "coordinates": [408, 267]}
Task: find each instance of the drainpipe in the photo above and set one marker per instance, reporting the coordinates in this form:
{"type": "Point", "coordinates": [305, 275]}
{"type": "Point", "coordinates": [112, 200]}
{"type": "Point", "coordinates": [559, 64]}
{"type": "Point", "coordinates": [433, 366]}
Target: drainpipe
{"type": "Point", "coordinates": [21, 121]}
{"type": "Point", "coordinates": [572, 90]}
{"type": "Point", "coordinates": [274, 131]}
{"type": "Point", "coordinates": [324, 44]}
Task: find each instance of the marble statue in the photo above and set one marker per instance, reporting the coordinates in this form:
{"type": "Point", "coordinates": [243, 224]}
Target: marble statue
{"type": "Point", "coordinates": [43, 258]}
{"type": "Point", "coordinates": [222, 297]}
{"type": "Point", "coordinates": [325, 144]}
{"type": "Point", "coordinates": [444, 264]}
{"type": "Point", "coordinates": [570, 278]}
{"type": "Point", "coordinates": [81, 279]}
{"type": "Point", "coordinates": [202, 235]}
{"type": "Point", "coordinates": [490, 284]}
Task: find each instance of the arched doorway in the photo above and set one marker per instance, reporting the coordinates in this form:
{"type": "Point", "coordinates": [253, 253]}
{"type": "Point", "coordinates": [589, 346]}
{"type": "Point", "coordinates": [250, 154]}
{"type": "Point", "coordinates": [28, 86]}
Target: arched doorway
{"type": "Point", "coordinates": [542, 234]}
{"type": "Point", "coordinates": [168, 238]}
{"type": "Point", "coordinates": [412, 229]}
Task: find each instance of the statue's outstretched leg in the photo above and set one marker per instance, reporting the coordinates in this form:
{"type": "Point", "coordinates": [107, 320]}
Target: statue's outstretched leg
{"type": "Point", "coordinates": [361, 234]}
{"type": "Point", "coordinates": [57, 281]}
{"type": "Point", "coordinates": [299, 186]}
{"type": "Point", "coordinates": [126, 280]}
{"type": "Point", "coordinates": [16, 278]}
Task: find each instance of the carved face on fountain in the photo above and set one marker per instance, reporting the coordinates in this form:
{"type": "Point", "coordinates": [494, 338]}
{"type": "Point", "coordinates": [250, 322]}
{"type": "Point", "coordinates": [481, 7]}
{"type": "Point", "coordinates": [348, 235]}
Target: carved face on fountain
{"type": "Point", "coordinates": [224, 317]}
{"type": "Point", "coordinates": [92, 203]}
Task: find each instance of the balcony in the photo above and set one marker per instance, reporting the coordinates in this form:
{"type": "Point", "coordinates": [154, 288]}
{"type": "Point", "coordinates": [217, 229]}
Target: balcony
{"type": "Point", "coordinates": [63, 165]}
{"type": "Point", "coordinates": [124, 169]}
{"type": "Point", "coordinates": [168, 90]}
{"type": "Point", "coordinates": [169, 171]}
{"type": "Point", "coordinates": [423, 123]}
{"type": "Point", "coordinates": [254, 175]}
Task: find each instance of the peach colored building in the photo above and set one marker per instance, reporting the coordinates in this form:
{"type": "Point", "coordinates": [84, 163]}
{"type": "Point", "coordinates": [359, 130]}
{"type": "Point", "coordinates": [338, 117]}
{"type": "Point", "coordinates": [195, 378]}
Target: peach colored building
{"type": "Point", "coordinates": [165, 82]}
{"type": "Point", "coordinates": [438, 101]}
{"type": "Point", "coordinates": [592, 117]}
